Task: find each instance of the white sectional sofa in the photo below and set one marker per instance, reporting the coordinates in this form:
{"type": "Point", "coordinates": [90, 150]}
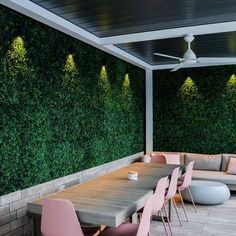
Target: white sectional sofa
{"type": "Point", "coordinates": [209, 167]}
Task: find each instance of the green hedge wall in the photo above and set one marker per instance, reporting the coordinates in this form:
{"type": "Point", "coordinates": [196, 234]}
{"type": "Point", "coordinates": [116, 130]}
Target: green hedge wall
{"type": "Point", "coordinates": [195, 110]}
{"type": "Point", "coordinates": [62, 113]}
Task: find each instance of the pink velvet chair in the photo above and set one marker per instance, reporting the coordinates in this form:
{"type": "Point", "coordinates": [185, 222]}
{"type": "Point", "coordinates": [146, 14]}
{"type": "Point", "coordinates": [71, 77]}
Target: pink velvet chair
{"type": "Point", "coordinates": [128, 229]}
{"type": "Point", "coordinates": [158, 158]}
{"type": "Point", "coordinates": [59, 219]}
{"type": "Point", "coordinates": [184, 183]}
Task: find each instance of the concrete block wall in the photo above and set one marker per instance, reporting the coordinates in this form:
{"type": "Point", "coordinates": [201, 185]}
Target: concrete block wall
{"type": "Point", "coordinates": [13, 206]}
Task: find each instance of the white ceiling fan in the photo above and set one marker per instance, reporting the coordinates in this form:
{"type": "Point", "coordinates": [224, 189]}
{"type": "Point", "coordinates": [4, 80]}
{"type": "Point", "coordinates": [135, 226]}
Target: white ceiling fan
{"type": "Point", "coordinates": [189, 58]}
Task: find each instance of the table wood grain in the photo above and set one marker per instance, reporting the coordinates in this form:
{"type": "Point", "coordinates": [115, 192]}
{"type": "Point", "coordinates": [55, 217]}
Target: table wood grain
{"type": "Point", "coordinates": [112, 198]}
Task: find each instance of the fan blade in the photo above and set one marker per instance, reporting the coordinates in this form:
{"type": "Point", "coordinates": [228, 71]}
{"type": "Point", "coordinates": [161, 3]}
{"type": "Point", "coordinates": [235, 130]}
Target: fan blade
{"type": "Point", "coordinates": [216, 60]}
{"type": "Point", "coordinates": [177, 67]}
{"type": "Point", "coordinates": [164, 55]}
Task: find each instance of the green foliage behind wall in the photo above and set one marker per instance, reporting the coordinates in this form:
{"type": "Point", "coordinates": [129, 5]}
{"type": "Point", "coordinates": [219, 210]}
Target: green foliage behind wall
{"type": "Point", "coordinates": [62, 113]}
{"type": "Point", "coordinates": [195, 110]}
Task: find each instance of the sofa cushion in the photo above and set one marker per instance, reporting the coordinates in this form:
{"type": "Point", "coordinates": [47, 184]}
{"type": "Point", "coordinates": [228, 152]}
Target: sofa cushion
{"type": "Point", "coordinates": [204, 162]}
{"type": "Point", "coordinates": [232, 166]}
{"type": "Point", "coordinates": [172, 159]}
{"type": "Point", "coordinates": [217, 176]}
{"type": "Point", "coordinates": [181, 155]}
{"type": "Point", "coordinates": [225, 161]}
{"type": "Point", "coordinates": [158, 158]}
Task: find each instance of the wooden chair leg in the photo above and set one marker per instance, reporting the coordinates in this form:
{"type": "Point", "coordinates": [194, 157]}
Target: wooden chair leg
{"type": "Point", "coordinates": [191, 196]}
{"type": "Point", "coordinates": [176, 210]}
{"type": "Point", "coordinates": [182, 202]}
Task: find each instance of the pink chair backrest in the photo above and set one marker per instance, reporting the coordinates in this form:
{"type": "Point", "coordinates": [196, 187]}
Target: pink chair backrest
{"type": "Point", "coordinates": [158, 158]}
{"type": "Point", "coordinates": [145, 222]}
{"type": "Point", "coordinates": [59, 219]}
{"type": "Point", "coordinates": [173, 184]}
{"type": "Point", "coordinates": [188, 175]}
{"type": "Point", "coordinates": [159, 194]}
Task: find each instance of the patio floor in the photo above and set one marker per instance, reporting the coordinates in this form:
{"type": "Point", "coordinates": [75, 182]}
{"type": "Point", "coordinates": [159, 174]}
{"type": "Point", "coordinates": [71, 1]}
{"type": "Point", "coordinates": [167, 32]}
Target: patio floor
{"type": "Point", "coordinates": [210, 220]}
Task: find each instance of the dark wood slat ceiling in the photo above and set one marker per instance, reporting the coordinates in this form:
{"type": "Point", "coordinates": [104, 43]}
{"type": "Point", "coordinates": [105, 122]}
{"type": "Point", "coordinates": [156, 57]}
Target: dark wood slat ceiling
{"type": "Point", "coordinates": [213, 45]}
{"type": "Point", "coordinates": [109, 18]}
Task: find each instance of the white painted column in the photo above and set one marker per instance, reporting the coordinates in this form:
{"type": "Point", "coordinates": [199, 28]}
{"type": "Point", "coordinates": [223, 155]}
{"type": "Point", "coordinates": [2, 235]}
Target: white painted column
{"type": "Point", "coordinates": [149, 111]}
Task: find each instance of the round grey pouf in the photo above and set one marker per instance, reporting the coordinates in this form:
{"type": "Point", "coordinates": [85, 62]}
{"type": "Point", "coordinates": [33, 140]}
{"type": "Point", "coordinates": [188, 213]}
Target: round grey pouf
{"type": "Point", "coordinates": [207, 192]}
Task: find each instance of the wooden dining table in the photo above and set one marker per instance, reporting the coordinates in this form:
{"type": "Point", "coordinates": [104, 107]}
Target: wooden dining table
{"type": "Point", "coordinates": [112, 198]}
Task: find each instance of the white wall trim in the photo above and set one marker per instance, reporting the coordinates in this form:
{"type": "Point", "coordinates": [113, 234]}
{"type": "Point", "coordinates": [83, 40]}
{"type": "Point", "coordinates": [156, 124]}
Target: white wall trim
{"type": "Point", "coordinates": [171, 66]}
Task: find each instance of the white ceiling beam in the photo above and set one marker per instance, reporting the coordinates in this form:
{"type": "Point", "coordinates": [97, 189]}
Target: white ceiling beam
{"type": "Point", "coordinates": [171, 66]}
{"type": "Point", "coordinates": [170, 33]}
{"type": "Point", "coordinates": [40, 14]}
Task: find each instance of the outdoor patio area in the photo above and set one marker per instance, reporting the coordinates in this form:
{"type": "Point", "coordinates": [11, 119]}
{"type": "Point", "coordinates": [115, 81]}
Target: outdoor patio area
{"type": "Point", "coordinates": [117, 118]}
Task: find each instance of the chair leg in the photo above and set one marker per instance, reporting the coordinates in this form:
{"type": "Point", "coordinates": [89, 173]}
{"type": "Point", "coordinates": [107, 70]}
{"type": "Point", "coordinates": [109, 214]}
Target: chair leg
{"type": "Point", "coordinates": [176, 210]}
{"type": "Point", "coordinates": [168, 220]}
{"type": "Point", "coordinates": [163, 221]}
{"type": "Point", "coordinates": [191, 196]}
{"type": "Point", "coordinates": [182, 202]}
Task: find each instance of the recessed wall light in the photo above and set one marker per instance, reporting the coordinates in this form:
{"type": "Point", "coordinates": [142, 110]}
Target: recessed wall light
{"type": "Point", "coordinates": [71, 49]}
{"type": "Point", "coordinates": [104, 63]}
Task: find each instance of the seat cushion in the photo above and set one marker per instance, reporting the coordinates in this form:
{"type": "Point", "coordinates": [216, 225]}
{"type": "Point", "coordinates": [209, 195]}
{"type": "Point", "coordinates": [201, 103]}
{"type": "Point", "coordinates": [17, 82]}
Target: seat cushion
{"type": "Point", "coordinates": [125, 229]}
{"type": "Point", "coordinates": [172, 159]}
{"type": "Point", "coordinates": [181, 156]}
{"type": "Point", "coordinates": [217, 176]}
{"type": "Point", "coordinates": [158, 158]}
{"type": "Point", "coordinates": [232, 166]}
{"type": "Point", "coordinates": [204, 162]}
{"type": "Point", "coordinates": [225, 161]}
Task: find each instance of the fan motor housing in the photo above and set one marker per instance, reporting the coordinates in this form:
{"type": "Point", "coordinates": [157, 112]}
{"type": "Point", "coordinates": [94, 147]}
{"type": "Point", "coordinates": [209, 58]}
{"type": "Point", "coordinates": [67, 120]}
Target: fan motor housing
{"type": "Point", "coordinates": [190, 56]}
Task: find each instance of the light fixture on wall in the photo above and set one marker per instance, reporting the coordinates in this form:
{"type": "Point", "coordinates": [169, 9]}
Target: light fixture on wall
{"type": "Point", "coordinates": [104, 62]}
{"type": "Point", "coordinates": [71, 49]}
{"type": "Point", "coordinates": [126, 71]}
{"type": "Point", "coordinates": [19, 31]}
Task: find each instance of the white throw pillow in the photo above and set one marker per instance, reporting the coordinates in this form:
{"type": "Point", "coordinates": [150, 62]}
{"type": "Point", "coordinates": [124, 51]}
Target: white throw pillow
{"type": "Point", "coordinates": [232, 166]}
{"type": "Point", "coordinates": [146, 158]}
{"type": "Point", "coordinates": [172, 159]}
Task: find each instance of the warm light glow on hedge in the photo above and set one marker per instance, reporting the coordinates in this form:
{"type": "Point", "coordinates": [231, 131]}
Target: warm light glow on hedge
{"type": "Point", "coordinates": [232, 80]}
{"type": "Point", "coordinates": [104, 82]}
{"type": "Point", "coordinates": [17, 52]}
{"type": "Point", "coordinates": [103, 74]}
{"type": "Point", "coordinates": [16, 65]}
{"type": "Point", "coordinates": [70, 64]}
{"type": "Point", "coordinates": [189, 88]}
{"type": "Point", "coordinates": [126, 82]}
{"type": "Point", "coordinates": [70, 71]}
{"type": "Point", "coordinates": [126, 91]}
{"type": "Point", "coordinates": [231, 85]}
{"type": "Point", "coordinates": [18, 42]}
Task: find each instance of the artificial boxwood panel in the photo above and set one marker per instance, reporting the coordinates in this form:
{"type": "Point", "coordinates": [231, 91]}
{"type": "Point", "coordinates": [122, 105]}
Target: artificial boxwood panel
{"type": "Point", "coordinates": [60, 114]}
{"type": "Point", "coordinates": [195, 110]}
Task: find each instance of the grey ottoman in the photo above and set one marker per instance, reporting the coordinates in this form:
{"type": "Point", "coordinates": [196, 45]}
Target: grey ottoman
{"type": "Point", "coordinates": [207, 192]}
